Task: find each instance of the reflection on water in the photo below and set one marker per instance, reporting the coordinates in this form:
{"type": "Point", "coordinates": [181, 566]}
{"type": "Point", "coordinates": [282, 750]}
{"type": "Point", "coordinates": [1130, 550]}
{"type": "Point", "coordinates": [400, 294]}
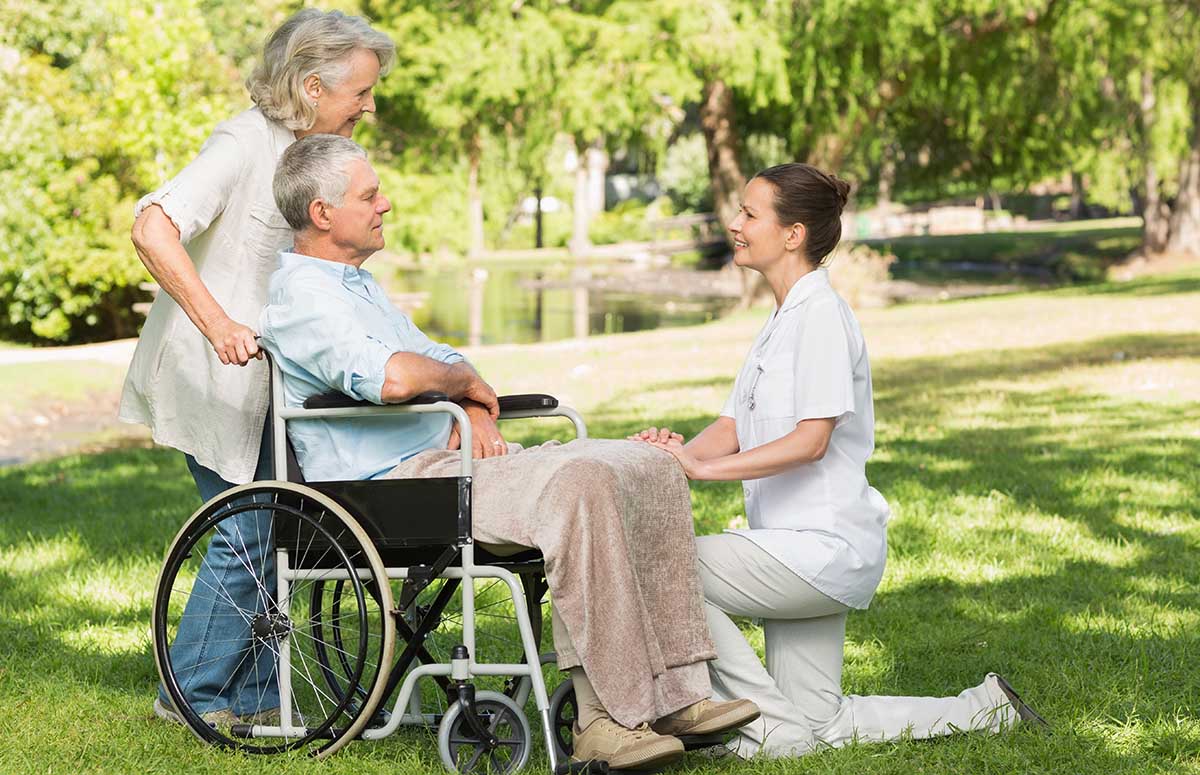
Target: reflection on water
{"type": "Point", "coordinates": [523, 302]}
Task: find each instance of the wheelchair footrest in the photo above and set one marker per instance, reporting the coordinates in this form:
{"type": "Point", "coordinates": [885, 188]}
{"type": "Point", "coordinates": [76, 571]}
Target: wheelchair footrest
{"type": "Point", "coordinates": [696, 742]}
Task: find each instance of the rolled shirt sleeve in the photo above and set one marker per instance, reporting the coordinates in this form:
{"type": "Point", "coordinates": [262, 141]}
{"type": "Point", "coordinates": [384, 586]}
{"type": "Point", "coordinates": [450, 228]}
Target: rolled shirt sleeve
{"type": "Point", "coordinates": [824, 365]}
{"type": "Point", "coordinates": [198, 194]}
{"type": "Point", "coordinates": [307, 325]}
{"type": "Point", "coordinates": [422, 344]}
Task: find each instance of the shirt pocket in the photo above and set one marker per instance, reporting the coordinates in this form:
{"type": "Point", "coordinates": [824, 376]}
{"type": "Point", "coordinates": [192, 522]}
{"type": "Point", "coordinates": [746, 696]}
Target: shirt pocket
{"type": "Point", "coordinates": [773, 393]}
{"type": "Point", "coordinates": [267, 232]}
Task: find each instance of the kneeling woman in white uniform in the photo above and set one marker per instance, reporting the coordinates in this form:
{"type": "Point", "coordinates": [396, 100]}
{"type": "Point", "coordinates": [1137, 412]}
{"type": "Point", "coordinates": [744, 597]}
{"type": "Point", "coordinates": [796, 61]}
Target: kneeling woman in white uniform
{"type": "Point", "coordinates": [797, 430]}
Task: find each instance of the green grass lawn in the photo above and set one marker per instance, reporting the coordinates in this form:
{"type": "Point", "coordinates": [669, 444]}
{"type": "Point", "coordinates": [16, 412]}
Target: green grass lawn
{"type": "Point", "coordinates": [1039, 452]}
{"type": "Point", "coordinates": [1076, 251]}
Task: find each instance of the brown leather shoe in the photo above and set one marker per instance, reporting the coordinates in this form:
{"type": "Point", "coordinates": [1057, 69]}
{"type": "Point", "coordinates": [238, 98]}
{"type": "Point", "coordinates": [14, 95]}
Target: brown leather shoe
{"type": "Point", "coordinates": [624, 749]}
{"type": "Point", "coordinates": [707, 718]}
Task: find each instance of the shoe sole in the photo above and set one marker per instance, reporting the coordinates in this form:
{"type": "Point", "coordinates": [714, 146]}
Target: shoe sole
{"type": "Point", "coordinates": [169, 715]}
{"type": "Point", "coordinates": [1024, 712]}
{"type": "Point", "coordinates": [734, 719]}
{"type": "Point", "coordinates": [649, 760]}
{"type": "Point", "coordinates": [166, 714]}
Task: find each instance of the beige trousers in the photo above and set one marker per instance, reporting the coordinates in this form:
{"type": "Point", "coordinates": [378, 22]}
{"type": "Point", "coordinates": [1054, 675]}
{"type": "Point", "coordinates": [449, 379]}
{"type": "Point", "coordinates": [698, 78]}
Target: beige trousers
{"type": "Point", "coordinates": [799, 689]}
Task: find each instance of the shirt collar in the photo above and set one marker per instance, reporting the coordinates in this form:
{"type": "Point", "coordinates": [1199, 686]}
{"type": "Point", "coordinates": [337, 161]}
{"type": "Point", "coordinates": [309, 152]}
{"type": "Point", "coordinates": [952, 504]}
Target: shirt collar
{"type": "Point", "coordinates": [351, 276]}
{"type": "Point", "coordinates": [805, 287]}
{"type": "Point", "coordinates": [281, 136]}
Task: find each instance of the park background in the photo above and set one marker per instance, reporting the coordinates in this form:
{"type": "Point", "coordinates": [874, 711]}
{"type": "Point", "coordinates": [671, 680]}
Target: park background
{"type": "Point", "coordinates": [1023, 255]}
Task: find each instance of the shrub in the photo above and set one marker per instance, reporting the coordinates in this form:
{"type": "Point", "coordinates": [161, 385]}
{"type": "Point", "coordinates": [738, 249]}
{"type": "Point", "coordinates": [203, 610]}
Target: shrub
{"type": "Point", "coordinates": [860, 275]}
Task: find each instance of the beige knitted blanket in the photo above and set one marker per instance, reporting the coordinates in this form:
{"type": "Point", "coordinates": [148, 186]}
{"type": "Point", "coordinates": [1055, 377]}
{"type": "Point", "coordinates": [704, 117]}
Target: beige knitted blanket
{"type": "Point", "coordinates": [613, 520]}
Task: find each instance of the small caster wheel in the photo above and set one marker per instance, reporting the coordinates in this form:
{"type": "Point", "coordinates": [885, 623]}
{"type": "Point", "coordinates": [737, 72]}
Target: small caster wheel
{"type": "Point", "coordinates": [462, 750]}
{"type": "Point", "coordinates": [563, 714]}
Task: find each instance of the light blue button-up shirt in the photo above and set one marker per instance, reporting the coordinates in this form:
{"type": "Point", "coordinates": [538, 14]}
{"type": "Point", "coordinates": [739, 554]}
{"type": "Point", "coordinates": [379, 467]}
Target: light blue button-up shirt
{"type": "Point", "coordinates": [330, 326]}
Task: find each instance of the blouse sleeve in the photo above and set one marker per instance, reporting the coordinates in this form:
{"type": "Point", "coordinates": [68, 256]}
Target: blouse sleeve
{"type": "Point", "coordinates": [824, 365]}
{"type": "Point", "coordinates": [730, 403]}
{"type": "Point", "coordinates": [198, 194]}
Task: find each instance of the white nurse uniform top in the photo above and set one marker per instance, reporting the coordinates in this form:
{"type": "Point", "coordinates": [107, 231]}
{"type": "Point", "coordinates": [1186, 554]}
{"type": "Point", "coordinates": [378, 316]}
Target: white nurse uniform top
{"type": "Point", "coordinates": [822, 520]}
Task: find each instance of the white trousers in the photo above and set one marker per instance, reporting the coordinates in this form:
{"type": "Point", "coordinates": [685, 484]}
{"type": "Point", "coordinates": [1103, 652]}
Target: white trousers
{"type": "Point", "coordinates": [799, 691]}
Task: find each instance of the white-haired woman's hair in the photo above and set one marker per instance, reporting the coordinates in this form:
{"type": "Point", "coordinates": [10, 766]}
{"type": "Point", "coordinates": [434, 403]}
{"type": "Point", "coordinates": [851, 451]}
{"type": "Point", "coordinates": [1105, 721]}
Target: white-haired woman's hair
{"type": "Point", "coordinates": [313, 167]}
{"type": "Point", "coordinates": [311, 42]}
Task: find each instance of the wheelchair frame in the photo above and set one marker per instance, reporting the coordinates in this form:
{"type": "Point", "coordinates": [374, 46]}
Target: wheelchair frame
{"type": "Point", "coordinates": [456, 562]}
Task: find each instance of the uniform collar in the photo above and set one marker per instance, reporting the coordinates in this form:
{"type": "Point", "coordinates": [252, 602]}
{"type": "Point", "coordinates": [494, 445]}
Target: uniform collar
{"type": "Point", "coordinates": [805, 287]}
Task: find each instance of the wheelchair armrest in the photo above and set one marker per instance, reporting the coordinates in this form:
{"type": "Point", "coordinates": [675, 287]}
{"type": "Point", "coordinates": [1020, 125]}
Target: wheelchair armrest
{"type": "Point", "coordinates": [336, 400]}
{"type": "Point", "coordinates": [525, 402]}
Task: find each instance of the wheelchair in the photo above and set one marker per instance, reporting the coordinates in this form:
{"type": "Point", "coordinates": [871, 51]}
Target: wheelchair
{"type": "Point", "coordinates": [352, 657]}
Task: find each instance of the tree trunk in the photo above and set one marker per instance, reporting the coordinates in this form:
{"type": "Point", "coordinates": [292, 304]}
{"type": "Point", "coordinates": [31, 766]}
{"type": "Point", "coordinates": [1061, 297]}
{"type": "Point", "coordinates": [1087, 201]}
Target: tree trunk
{"type": "Point", "coordinates": [887, 177]}
{"type": "Point", "coordinates": [1185, 216]}
{"type": "Point", "coordinates": [538, 241]}
{"type": "Point", "coordinates": [474, 198]}
{"type": "Point", "coordinates": [597, 169]}
{"type": "Point", "coordinates": [725, 173]}
{"type": "Point", "coordinates": [721, 139]}
{"type": "Point", "coordinates": [1078, 197]}
{"type": "Point", "coordinates": [581, 213]}
{"type": "Point", "coordinates": [1156, 227]}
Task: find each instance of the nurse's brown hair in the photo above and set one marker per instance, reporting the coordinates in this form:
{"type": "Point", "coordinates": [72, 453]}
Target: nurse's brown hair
{"type": "Point", "coordinates": [807, 195]}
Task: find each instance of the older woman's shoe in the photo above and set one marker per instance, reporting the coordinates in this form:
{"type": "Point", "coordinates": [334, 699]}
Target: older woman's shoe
{"type": "Point", "coordinates": [217, 719]}
{"type": "Point", "coordinates": [624, 749]}
{"type": "Point", "coordinates": [707, 718]}
{"type": "Point", "coordinates": [1024, 711]}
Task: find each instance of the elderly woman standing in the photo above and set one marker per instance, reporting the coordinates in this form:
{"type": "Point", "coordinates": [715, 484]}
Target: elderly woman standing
{"type": "Point", "coordinates": [210, 237]}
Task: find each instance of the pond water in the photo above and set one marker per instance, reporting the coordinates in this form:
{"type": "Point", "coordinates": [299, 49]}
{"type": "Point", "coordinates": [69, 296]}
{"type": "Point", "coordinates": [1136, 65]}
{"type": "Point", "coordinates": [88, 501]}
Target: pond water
{"type": "Point", "coordinates": [521, 302]}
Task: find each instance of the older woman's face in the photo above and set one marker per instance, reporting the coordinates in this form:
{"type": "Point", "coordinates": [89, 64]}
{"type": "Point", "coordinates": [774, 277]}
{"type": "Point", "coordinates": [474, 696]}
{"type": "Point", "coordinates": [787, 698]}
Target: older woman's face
{"type": "Point", "coordinates": [758, 237]}
{"type": "Point", "coordinates": [341, 105]}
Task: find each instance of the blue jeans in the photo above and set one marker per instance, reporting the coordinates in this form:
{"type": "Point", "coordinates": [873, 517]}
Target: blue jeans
{"type": "Point", "coordinates": [214, 656]}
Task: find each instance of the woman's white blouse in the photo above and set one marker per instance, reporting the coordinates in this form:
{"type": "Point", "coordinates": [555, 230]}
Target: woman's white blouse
{"type": "Point", "coordinates": [225, 211]}
{"type": "Point", "coordinates": [821, 519]}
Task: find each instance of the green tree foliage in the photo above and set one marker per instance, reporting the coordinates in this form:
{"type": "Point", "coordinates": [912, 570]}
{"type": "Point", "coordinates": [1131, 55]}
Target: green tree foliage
{"type": "Point", "coordinates": [105, 100]}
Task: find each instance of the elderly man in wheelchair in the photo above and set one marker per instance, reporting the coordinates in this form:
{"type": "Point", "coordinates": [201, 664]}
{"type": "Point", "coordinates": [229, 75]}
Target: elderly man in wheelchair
{"type": "Point", "coordinates": [403, 475]}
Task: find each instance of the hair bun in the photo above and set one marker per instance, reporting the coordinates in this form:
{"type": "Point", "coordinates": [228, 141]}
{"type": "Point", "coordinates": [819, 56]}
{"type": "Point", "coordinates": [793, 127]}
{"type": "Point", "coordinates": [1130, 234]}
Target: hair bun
{"type": "Point", "coordinates": [842, 188]}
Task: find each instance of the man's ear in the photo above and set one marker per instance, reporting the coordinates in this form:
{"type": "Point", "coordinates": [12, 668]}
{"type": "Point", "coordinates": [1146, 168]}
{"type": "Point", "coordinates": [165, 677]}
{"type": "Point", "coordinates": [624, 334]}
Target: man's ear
{"type": "Point", "coordinates": [319, 213]}
{"type": "Point", "coordinates": [796, 237]}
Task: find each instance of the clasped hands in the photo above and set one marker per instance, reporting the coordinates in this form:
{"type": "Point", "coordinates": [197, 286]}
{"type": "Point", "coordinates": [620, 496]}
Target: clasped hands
{"type": "Point", "coordinates": [483, 409]}
{"type": "Point", "coordinates": [666, 439]}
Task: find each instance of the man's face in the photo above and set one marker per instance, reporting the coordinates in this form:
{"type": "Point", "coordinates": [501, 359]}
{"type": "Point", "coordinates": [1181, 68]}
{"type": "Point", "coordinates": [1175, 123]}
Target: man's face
{"type": "Point", "coordinates": [358, 224]}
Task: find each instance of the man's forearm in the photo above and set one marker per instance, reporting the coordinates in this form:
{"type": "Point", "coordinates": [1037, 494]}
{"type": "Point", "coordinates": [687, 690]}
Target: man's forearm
{"type": "Point", "coordinates": [408, 375]}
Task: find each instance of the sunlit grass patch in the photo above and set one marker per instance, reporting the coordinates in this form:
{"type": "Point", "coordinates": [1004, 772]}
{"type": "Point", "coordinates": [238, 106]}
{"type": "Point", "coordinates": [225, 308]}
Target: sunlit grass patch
{"type": "Point", "coordinates": [1045, 526]}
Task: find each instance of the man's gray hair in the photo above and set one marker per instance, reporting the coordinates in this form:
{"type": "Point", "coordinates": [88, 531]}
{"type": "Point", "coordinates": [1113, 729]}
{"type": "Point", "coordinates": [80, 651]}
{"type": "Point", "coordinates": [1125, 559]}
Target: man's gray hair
{"type": "Point", "coordinates": [311, 42]}
{"type": "Point", "coordinates": [313, 167]}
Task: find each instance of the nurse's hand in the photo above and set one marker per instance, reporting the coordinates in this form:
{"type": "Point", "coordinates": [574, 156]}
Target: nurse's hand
{"type": "Point", "coordinates": [657, 436]}
{"type": "Point", "coordinates": [692, 467]}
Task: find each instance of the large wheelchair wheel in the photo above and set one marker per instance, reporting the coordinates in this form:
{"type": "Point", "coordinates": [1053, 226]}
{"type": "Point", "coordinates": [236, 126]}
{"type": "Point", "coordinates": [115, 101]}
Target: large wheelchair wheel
{"type": "Point", "coordinates": [228, 624]}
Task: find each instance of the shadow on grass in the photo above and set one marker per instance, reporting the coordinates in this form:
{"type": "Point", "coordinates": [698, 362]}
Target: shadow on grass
{"type": "Point", "coordinates": [1098, 629]}
{"type": "Point", "coordinates": [1145, 286]}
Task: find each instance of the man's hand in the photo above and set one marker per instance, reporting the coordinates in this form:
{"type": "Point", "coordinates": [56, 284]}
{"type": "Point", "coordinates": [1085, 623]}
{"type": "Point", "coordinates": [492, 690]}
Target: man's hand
{"type": "Point", "coordinates": [233, 342]}
{"type": "Point", "coordinates": [481, 393]}
{"type": "Point", "coordinates": [486, 440]}
{"type": "Point", "coordinates": [656, 436]}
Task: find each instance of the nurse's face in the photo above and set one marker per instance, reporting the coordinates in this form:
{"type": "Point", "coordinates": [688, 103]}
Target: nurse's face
{"type": "Point", "coordinates": [759, 240]}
